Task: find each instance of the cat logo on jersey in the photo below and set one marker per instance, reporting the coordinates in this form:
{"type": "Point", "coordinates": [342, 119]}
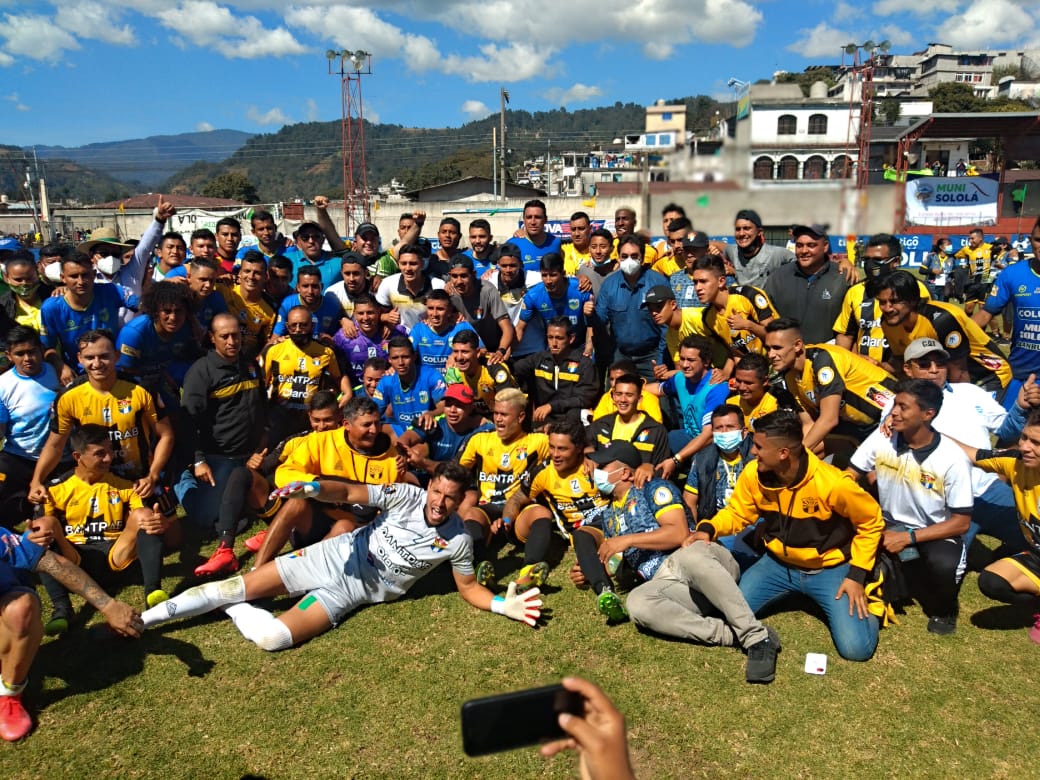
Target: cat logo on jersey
{"type": "Point", "coordinates": [825, 375]}
{"type": "Point", "coordinates": [124, 405]}
{"type": "Point", "coordinates": [953, 340]}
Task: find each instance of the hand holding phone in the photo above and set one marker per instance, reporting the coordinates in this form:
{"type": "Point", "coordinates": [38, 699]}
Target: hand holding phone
{"type": "Point", "coordinates": [512, 720]}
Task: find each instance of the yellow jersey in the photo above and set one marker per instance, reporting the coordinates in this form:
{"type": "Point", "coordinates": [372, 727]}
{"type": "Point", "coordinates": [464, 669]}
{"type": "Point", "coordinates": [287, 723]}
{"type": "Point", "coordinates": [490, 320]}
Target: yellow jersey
{"type": "Point", "coordinates": [257, 319]}
{"type": "Point", "coordinates": [649, 404]}
{"type": "Point", "coordinates": [1025, 484]}
{"type": "Point", "coordinates": [743, 301]}
{"type": "Point", "coordinates": [864, 389]}
{"type": "Point", "coordinates": [571, 497]}
{"type": "Point", "coordinates": [294, 375]}
{"type": "Point", "coordinates": [328, 454]}
{"type": "Point", "coordinates": [649, 254]}
{"type": "Point", "coordinates": [860, 317]}
{"type": "Point", "coordinates": [501, 466]}
{"type": "Point", "coordinates": [91, 513]}
{"type": "Point", "coordinates": [572, 258]}
{"type": "Point", "coordinates": [766, 404]}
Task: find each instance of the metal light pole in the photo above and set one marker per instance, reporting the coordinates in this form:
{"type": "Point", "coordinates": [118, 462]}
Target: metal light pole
{"type": "Point", "coordinates": [350, 66]}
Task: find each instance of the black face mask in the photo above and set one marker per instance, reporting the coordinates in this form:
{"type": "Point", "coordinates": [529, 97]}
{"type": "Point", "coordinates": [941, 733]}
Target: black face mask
{"type": "Point", "coordinates": [300, 338]}
{"type": "Point", "coordinates": [876, 273]}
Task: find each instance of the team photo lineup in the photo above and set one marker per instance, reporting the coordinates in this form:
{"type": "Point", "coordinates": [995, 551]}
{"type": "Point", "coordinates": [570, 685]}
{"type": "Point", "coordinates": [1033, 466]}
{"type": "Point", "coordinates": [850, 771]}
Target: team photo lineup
{"type": "Point", "coordinates": [711, 427]}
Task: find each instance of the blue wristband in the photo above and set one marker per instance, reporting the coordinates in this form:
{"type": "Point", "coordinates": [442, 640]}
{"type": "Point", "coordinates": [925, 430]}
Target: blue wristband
{"type": "Point", "coordinates": [498, 605]}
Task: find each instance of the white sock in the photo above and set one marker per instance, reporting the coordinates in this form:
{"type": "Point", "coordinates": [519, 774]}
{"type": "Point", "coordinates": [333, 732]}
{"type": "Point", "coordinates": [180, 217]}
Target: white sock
{"type": "Point", "coordinates": [197, 601]}
{"type": "Point", "coordinates": [260, 627]}
{"type": "Point", "coordinates": [11, 690]}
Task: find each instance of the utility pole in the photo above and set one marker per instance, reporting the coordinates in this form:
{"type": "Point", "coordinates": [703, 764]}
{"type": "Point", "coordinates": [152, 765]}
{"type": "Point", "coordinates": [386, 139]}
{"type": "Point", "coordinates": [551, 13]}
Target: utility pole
{"type": "Point", "coordinates": [494, 160]}
{"type": "Point", "coordinates": [350, 66]}
{"type": "Point", "coordinates": [504, 98]}
{"type": "Point", "coordinates": [548, 167]}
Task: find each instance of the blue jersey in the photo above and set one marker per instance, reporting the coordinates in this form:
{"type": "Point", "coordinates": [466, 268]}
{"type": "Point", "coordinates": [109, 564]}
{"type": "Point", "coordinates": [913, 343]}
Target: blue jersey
{"type": "Point", "coordinates": [212, 305]}
{"type": "Point", "coordinates": [25, 410]}
{"type": "Point", "coordinates": [569, 305]}
{"type": "Point", "coordinates": [328, 264]}
{"type": "Point", "coordinates": [443, 442]}
{"type": "Point", "coordinates": [147, 355]}
{"type": "Point", "coordinates": [433, 348]}
{"type": "Point", "coordinates": [1019, 285]}
{"type": "Point", "coordinates": [480, 267]}
{"type": "Point", "coordinates": [696, 400]}
{"type": "Point", "coordinates": [326, 318]}
{"type": "Point", "coordinates": [18, 558]}
{"type": "Point", "coordinates": [637, 513]}
{"type": "Point", "coordinates": [61, 325]}
{"type": "Point", "coordinates": [425, 392]}
{"type": "Point", "coordinates": [532, 253]}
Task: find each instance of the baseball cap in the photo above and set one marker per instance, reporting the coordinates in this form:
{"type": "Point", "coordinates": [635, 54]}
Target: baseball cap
{"type": "Point", "coordinates": [460, 393]}
{"type": "Point", "coordinates": [461, 261]}
{"type": "Point", "coordinates": [659, 293]}
{"type": "Point", "coordinates": [750, 215]}
{"type": "Point", "coordinates": [617, 450]}
{"type": "Point", "coordinates": [918, 348]}
{"type": "Point", "coordinates": [814, 230]}
{"type": "Point", "coordinates": [509, 250]}
{"type": "Point", "coordinates": [366, 227]}
{"type": "Point", "coordinates": [698, 240]}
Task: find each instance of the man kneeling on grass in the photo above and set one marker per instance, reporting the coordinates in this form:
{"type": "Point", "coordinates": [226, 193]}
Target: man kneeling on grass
{"type": "Point", "coordinates": [379, 562]}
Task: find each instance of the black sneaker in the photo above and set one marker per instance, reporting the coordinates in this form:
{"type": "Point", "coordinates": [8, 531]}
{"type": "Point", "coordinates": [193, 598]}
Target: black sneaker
{"type": "Point", "coordinates": [761, 659]}
{"type": "Point", "coordinates": [942, 625]}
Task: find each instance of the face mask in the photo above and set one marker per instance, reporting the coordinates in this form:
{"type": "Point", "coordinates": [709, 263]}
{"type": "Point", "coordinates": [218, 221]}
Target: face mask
{"type": "Point", "coordinates": [109, 265]}
{"type": "Point", "coordinates": [948, 250]}
{"type": "Point", "coordinates": [53, 273]}
{"type": "Point", "coordinates": [630, 267]}
{"type": "Point", "coordinates": [876, 270]}
{"type": "Point", "coordinates": [300, 339]}
{"type": "Point", "coordinates": [24, 290]}
{"type": "Point", "coordinates": [601, 480]}
{"type": "Point", "coordinates": [728, 440]}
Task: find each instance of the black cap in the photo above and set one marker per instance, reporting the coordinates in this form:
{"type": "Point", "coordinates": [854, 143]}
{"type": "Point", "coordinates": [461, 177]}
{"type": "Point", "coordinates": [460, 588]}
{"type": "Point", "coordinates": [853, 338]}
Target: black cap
{"type": "Point", "coordinates": [509, 250]}
{"type": "Point", "coordinates": [350, 256]}
{"type": "Point", "coordinates": [750, 215]}
{"type": "Point", "coordinates": [659, 293]}
{"type": "Point", "coordinates": [618, 450]}
{"type": "Point", "coordinates": [461, 261]}
{"type": "Point", "coordinates": [814, 230]}
{"type": "Point", "coordinates": [699, 240]}
{"type": "Point", "coordinates": [366, 227]}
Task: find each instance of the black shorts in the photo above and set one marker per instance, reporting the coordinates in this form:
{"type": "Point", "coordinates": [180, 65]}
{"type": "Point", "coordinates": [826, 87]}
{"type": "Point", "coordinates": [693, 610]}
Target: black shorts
{"type": "Point", "coordinates": [976, 291]}
{"type": "Point", "coordinates": [324, 516]}
{"type": "Point", "coordinates": [1029, 563]}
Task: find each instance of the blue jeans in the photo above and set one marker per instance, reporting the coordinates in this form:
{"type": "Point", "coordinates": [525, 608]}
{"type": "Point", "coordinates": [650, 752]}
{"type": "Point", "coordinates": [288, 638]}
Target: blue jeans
{"type": "Point", "coordinates": [995, 515]}
{"type": "Point", "coordinates": [768, 580]}
{"type": "Point", "coordinates": [201, 501]}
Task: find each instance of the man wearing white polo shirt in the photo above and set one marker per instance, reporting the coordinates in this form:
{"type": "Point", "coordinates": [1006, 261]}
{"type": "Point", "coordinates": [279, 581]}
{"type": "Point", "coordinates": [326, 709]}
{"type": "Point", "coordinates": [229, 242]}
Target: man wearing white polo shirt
{"type": "Point", "coordinates": [924, 488]}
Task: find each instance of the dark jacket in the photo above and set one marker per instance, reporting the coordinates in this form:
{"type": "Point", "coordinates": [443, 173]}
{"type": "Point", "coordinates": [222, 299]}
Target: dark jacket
{"type": "Point", "coordinates": [704, 463]}
{"type": "Point", "coordinates": [568, 385]}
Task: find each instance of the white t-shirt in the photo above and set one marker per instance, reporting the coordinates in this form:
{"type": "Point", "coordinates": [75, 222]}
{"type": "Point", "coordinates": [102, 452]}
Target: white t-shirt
{"type": "Point", "coordinates": [399, 548]}
{"type": "Point", "coordinates": [391, 294]}
{"type": "Point", "coordinates": [970, 414]}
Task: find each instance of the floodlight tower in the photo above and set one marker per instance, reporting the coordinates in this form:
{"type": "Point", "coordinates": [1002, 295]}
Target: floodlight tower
{"type": "Point", "coordinates": [350, 66]}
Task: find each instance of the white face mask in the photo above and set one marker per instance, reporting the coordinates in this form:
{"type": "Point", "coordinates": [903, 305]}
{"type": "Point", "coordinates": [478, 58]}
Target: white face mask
{"type": "Point", "coordinates": [109, 265]}
{"type": "Point", "coordinates": [53, 273]}
{"type": "Point", "coordinates": [630, 267]}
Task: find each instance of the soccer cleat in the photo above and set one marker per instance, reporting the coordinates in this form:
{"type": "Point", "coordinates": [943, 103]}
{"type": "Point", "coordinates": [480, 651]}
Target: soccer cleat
{"type": "Point", "coordinates": [533, 575]}
{"type": "Point", "coordinates": [942, 624]}
{"type": "Point", "coordinates": [255, 542]}
{"type": "Point", "coordinates": [222, 561]}
{"type": "Point", "coordinates": [610, 606]}
{"type": "Point", "coordinates": [15, 722]}
{"type": "Point", "coordinates": [761, 659]}
{"type": "Point", "coordinates": [156, 597]}
{"type": "Point", "coordinates": [56, 626]}
{"type": "Point", "coordinates": [1034, 632]}
{"type": "Point", "coordinates": [485, 573]}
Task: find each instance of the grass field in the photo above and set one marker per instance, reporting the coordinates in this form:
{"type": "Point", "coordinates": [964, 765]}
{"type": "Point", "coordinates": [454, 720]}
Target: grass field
{"type": "Point", "coordinates": [379, 696]}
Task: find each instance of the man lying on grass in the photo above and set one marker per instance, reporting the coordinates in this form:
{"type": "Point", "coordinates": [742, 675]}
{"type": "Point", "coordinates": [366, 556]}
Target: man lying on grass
{"type": "Point", "coordinates": [379, 562]}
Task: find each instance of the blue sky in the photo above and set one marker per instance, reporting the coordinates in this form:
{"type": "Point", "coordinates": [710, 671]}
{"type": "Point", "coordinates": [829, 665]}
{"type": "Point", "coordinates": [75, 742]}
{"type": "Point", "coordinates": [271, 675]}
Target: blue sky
{"type": "Point", "coordinates": [94, 70]}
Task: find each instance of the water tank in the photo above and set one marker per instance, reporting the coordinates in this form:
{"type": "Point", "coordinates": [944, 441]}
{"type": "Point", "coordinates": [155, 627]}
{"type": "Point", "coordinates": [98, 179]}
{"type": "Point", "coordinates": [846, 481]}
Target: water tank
{"type": "Point", "coordinates": [818, 90]}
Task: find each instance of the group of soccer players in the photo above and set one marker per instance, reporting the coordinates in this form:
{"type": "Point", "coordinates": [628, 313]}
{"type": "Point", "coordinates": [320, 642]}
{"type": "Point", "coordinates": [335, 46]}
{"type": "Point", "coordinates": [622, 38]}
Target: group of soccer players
{"type": "Point", "coordinates": [670, 410]}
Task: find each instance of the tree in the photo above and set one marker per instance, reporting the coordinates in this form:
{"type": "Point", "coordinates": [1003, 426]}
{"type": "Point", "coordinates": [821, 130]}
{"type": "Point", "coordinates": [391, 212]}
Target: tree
{"type": "Point", "coordinates": [888, 110]}
{"type": "Point", "coordinates": [233, 186]}
{"type": "Point", "coordinates": [952, 97]}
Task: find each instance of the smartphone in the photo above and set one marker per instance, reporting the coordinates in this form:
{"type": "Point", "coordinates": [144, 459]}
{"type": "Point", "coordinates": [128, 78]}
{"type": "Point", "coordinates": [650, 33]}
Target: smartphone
{"type": "Point", "coordinates": [513, 720]}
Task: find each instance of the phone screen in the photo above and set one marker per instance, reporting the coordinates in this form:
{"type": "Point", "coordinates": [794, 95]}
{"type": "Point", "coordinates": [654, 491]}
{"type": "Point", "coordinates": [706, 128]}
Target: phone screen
{"type": "Point", "coordinates": [512, 720]}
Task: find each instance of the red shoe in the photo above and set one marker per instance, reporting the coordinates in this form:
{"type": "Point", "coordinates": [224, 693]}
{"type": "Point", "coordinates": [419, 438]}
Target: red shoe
{"type": "Point", "coordinates": [223, 561]}
{"type": "Point", "coordinates": [1034, 632]}
{"type": "Point", "coordinates": [254, 543]}
{"type": "Point", "coordinates": [15, 722]}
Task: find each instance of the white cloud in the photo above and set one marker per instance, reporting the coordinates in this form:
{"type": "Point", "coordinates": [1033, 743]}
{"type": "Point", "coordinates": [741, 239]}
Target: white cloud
{"type": "Point", "coordinates": [22, 107]}
{"type": "Point", "coordinates": [844, 12]}
{"type": "Point", "coordinates": [578, 93]}
{"type": "Point", "coordinates": [899, 37]}
{"type": "Point", "coordinates": [6, 60]}
{"type": "Point", "coordinates": [204, 127]}
{"type": "Point", "coordinates": [894, 7]}
{"type": "Point", "coordinates": [35, 37]}
{"type": "Point", "coordinates": [92, 20]}
{"type": "Point", "coordinates": [475, 109]}
{"type": "Point", "coordinates": [985, 23]}
{"type": "Point", "coordinates": [312, 110]}
{"type": "Point", "coordinates": [206, 24]}
{"type": "Point", "coordinates": [821, 42]}
{"type": "Point", "coordinates": [274, 116]}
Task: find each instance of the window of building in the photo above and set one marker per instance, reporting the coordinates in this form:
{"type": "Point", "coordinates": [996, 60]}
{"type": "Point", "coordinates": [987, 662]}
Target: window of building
{"type": "Point", "coordinates": [817, 124]}
{"type": "Point", "coordinates": [666, 116]}
{"type": "Point", "coordinates": [841, 168]}
{"type": "Point", "coordinates": [786, 125]}
{"type": "Point", "coordinates": [788, 168]}
{"type": "Point", "coordinates": [815, 168]}
{"type": "Point", "coordinates": [763, 168]}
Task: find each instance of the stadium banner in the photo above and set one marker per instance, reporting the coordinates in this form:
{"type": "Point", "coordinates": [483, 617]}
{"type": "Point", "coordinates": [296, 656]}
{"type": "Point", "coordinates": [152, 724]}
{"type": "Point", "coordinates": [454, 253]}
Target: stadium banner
{"type": "Point", "coordinates": [951, 200]}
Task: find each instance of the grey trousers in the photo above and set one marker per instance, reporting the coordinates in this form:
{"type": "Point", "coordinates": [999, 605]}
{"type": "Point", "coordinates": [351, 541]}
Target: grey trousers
{"type": "Point", "coordinates": [692, 586]}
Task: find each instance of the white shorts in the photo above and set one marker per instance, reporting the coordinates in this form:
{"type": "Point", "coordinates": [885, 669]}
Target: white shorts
{"type": "Point", "coordinates": [327, 570]}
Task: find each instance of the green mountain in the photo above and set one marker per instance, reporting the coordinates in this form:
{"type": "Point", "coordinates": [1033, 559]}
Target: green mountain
{"type": "Point", "coordinates": [147, 162]}
{"type": "Point", "coordinates": [302, 160]}
{"type": "Point", "coordinates": [66, 179]}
